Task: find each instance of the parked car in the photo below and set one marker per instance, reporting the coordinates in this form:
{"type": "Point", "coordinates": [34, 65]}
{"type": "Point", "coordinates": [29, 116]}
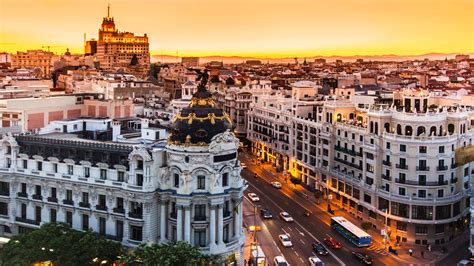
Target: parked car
{"type": "Point", "coordinates": [253, 197]}
{"type": "Point", "coordinates": [319, 248]}
{"type": "Point", "coordinates": [285, 240]}
{"type": "Point", "coordinates": [286, 217]}
{"type": "Point", "coordinates": [266, 214]}
{"type": "Point", "coordinates": [363, 257]}
{"type": "Point", "coordinates": [280, 261]}
{"type": "Point", "coordinates": [276, 184]}
{"type": "Point", "coordinates": [315, 261]}
{"type": "Point", "coordinates": [332, 243]}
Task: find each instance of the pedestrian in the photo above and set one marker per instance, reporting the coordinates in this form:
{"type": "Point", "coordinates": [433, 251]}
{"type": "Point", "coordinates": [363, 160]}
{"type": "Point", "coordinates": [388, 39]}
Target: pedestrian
{"type": "Point", "coordinates": [245, 262]}
{"type": "Point", "coordinates": [422, 254]}
{"type": "Point", "coordinates": [411, 252]}
{"type": "Point", "coordinates": [429, 248]}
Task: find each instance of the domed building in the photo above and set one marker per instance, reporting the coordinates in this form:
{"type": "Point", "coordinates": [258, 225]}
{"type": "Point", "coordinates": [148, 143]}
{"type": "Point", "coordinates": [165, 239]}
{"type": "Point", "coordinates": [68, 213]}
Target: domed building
{"type": "Point", "coordinates": [204, 191]}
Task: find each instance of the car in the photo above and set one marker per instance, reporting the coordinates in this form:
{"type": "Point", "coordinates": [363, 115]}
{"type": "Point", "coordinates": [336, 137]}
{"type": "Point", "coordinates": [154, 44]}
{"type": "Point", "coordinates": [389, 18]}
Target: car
{"type": "Point", "coordinates": [285, 240]}
{"type": "Point", "coordinates": [363, 257]}
{"type": "Point", "coordinates": [280, 261]}
{"type": "Point", "coordinates": [243, 165]}
{"type": "Point", "coordinates": [253, 197]}
{"type": "Point", "coordinates": [315, 261]}
{"type": "Point", "coordinates": [319, 249]}
{"type": "Point", "coordinates": [276, 184]}
{"type": "Point", "coordinates": [266, 214]}
{"type": "Point", "coordinates": [286, 217]}
{"type": "Point", "coordinates": [332, 243]}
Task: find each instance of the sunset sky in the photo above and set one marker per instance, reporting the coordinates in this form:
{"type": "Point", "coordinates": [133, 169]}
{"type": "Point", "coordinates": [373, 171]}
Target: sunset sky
{"type": "Point", "coordinates": [265, 28]}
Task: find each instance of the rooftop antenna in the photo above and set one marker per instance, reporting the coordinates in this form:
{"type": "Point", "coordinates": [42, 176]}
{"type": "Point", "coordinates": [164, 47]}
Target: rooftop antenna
{"type": "Point", "coordinates": [108, 10]}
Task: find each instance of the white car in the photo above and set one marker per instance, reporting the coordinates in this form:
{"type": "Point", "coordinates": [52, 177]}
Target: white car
{"type": "Point", "coordinates": [276, 184]}
{"type": "Point", "coordinates": [286, 217]}
{"type": "Point", "coordinates": [285, 240]}
{"type": "Point", "coordinates": [253, 197]}
{"type": "Point", "coordinates": [280, 261]}
{"type": "Point", "coordinates": [315, 261]}
{"type": "Point", "coordinates": [243, 165]}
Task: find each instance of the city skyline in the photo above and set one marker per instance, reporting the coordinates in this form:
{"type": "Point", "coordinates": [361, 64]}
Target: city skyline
{"type": "Point", "coordinates": [263, 29]}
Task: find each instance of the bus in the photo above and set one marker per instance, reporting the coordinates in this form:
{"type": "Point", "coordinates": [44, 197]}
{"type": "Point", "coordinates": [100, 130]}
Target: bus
{"type": "Point", "coordinates": [353, 233]}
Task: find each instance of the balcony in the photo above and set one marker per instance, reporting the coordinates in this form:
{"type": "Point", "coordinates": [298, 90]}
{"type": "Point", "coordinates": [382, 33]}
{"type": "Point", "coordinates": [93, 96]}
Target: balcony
{"type": "Point", "coordinates": [387, 177]}
{"type": "Point", "coordinates": [454, 180]}
{"type": "Point", "coordinates": [37, 197]}
{"type": "Point", "coordinates": [135, 215]}
{"type": "Point", "coordinates": [422, 168]}
{"type": "Point", "coordinates": [119, 210]}
{"type": "Point", "coordinates": [27, 221]}
{"type": "Point", "coordinates": [421, 183]}
{"type": "Point", "coordinates": [402, 166]}
{"type": "Point", "coordinates": [199, 218]}
{"type": "Point", "coordinates": [5, 193]}
{"type": "Point", "coordinates": [442, 168]}
{"type": "Point", "coordinates": [22, 195]}
{"type": "Point", "coordinates": [114, 238]}
{"type": "Point", "coordinates": [101, 207]}
{"type": "Point", "coordinates": [68, 202]}
{"type": "Point", "coordinates": [51, 199]}
{"type": "Point", "coordinates": [173, 215]}
{"type": "Point", "coordinates": [453, 166]}
{"type": "Point", "coordinates": [84, 204]}
{"type": "Point", "coordinates": [387, 163]}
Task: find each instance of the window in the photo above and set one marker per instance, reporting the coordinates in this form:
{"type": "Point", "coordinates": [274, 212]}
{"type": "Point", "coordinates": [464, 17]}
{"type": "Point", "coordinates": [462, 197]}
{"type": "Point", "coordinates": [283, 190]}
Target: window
{"type": "Point", "coordinates": [200, 237]}
{"type": "Point", "coordinates": [136, 233]}
{"type": "Point", "coordinates": [401, 191]}
{"type": "Point", "coordinates": [421, 193]}
{"type": "Point", "coordinates": [3, 208]}
{"type": "Point", "coordinates": [52, 216]}
{"type": "Point", "coordinates": [421, 229]}
{"type": "Point", "coordinates": [422, 180]}
{"type": "Point", "coordinates": [388, 146]}
{"type": "Point", "coordinates": [439, 228]}
{"type": "Point", "coordinates": [85, 222]}
{"type": "Point", "coordinates": [440, 193]}
{"type": "Point", "coordinates": [39, 166]}
{"type": "Point", "coordinates": [441, 149]}
{"type": "Point", "coordinates": [102, 226]}
{"type": "Point", "coordinates": [103, 174]}
{"type": "Point", "coordinates": [69, 218]}
{"type": "Point", "coordinates": [5, 188]}
{"type": "Point", "coordinates": [53, 193]}
{"type": "Point", "coordinates": [225, 237]}
{"type": "Point", "coordinates": [402, 226]}
{"type": "Point", "coordinates": [119, 203]}
{"type": "Point", "coordinates": [70, 169]}
{"type": "Point", "coordinates": [200, 212]}
{"type": "Point", "coordinates": [87, 171]}
{"type": "Point", "coordinates": [422, 149]}
{"type": "Point", "coordinates": [201, 182]}
{"type": "Point", "coordinates": [55, 167]}
{"type": "Point", "coordinates": [422, 212]}
{"type": "Point", "coordinates": [69, 194]}
{"type": "Point", "coordinates": [119, 229]}
{"type": "Point", "coordinates": [225, 179]}
{"type": "Point", "coordinates": [25, 164]}
{"type": "Point", "coordinates": [176, 180]}
{"type": "Point", "coordinates": [85, 197]}
{"type": "Point", "coordinates": [102, 200]}
{"type": "Point", "coordinates": [23, 188]}
{"type": "Point", "coordinates": [23, 211]}
{"type": "Point", "coordinates": [139, 180]}
{"type": "Point", "coordinates": [403, 148]}
{"type": "Point", "coordinates": [367, 198]}
{"type": "Point", "coordinates": [120, 176]}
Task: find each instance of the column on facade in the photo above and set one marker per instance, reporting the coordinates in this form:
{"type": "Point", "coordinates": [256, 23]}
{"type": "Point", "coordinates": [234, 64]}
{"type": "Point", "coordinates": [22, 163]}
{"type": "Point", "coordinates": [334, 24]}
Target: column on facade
{"type": "Point", "coordinates": [126, 230]}
{"type": "Point", "coordinates": [237, 220]}
{"type": "Point", "coordinates": [187, 224]}
{"type": "Point", "coordinates": [220, 224]}
{"type": "Point", "coordinates": [212, 225]}
{"type": "Point", "coordinates": [163, 216]}
{"type": "Point", "coordinates": [179, 223]}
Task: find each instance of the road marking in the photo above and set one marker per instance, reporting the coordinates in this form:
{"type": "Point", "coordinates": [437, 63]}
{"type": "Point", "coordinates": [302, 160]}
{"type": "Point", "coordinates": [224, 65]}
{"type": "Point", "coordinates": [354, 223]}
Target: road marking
{"type": "Point", "coordinates": [302, 242]}
{"type": "Point", "coordinates": [304, 229]}
{"type": "Point", "coordinates": [290, 228]}
{"type": "Point", "coordinates": [302, 261]}
{"type": "Point", "coordinates": [301, 233]}
{"type": "Point", "coordinates": [284, 230]}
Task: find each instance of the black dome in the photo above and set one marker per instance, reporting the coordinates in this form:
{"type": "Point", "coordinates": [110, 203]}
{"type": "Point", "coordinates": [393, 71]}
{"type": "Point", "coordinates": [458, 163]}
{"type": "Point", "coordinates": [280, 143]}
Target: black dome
{"type": "Point", "coordinates": [200, 121]}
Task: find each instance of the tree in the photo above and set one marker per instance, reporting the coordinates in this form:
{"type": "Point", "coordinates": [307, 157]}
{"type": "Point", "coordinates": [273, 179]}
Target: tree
{"type": "Point", "coordinates": [58, 243]}
{"type": "Point", "coordinates": [175, 253]}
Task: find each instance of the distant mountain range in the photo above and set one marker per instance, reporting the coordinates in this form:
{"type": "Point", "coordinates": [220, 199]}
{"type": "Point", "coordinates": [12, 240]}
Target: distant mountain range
{"type": "Point", "coordinates": [240, 59]}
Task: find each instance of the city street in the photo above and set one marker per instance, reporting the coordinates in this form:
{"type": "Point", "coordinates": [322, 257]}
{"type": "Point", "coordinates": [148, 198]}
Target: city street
{"type": "Point", "coordinates": [304, 230]}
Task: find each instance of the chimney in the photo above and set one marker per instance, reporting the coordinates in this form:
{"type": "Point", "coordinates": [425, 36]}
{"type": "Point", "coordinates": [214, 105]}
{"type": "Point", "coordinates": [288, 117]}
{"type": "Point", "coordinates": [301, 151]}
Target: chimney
{"type": "Point", "coordinates": [115, 130]}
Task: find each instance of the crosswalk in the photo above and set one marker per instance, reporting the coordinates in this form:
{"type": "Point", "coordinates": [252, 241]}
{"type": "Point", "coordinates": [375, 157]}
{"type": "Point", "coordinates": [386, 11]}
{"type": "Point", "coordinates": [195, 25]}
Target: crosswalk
{"type": "Point", "coordinates": [377, 249]}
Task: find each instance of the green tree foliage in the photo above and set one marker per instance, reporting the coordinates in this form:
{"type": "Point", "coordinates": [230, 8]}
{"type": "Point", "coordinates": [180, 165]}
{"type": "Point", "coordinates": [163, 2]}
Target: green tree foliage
{"type": "Point", "coordinates": [58, 243]}
{"type": "Point", "coordinates": [154, 70]}
{"type": "Point", "coordinates": [173, 254]}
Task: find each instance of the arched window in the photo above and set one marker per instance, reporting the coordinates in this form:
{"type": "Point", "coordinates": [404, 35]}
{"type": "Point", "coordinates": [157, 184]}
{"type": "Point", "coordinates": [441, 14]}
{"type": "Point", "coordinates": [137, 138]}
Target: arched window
{"type": "Point", "coordinates": [376, 128]}
{"type": "Point", "coordinates": [408, 130]}
{"type": "Point", "coordinates": [399, 130]}
{"type": "Point", "coordinates": [433, 131]}
{"type": "Point", "coordinates": [440, 131]}
{"type": "Point", "coordinates": [371, 129]}
{"type": "Point", "coordinates": [351, 116]}
{"type": "Point", "coordinates": [338, 118]}
{"type": "Point", "coordinates": [450, 129]}
{"type": "Point", "coordinates": [386, 126]}
{"type": "Point", "coordinates": [420, 130]}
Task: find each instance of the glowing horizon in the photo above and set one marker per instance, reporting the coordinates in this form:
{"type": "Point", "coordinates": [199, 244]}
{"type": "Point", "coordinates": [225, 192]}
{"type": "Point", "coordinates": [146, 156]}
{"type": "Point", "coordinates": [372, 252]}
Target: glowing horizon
{"type": "Point", "coordinates": [246, 28]}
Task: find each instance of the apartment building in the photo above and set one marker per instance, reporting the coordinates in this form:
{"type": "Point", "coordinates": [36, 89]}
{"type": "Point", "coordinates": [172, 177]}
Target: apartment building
{"type": "Point", "coordinates": [33, 59]}
{"type": "Point", "coordinates": [379, 162]}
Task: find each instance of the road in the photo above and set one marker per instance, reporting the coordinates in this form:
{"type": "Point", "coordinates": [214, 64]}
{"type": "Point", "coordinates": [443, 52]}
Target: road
{"type": "Point", "coordinates": [305, 230]}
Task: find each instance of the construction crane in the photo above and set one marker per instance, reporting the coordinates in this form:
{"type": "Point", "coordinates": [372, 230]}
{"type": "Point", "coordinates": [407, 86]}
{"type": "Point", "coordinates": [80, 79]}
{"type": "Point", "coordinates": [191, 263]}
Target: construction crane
{"type": "Point", "coordinates": [51, 46]}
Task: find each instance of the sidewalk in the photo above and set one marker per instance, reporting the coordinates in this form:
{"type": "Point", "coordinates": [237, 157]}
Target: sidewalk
{"type": "Point", "coordinates": [429, 258]}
